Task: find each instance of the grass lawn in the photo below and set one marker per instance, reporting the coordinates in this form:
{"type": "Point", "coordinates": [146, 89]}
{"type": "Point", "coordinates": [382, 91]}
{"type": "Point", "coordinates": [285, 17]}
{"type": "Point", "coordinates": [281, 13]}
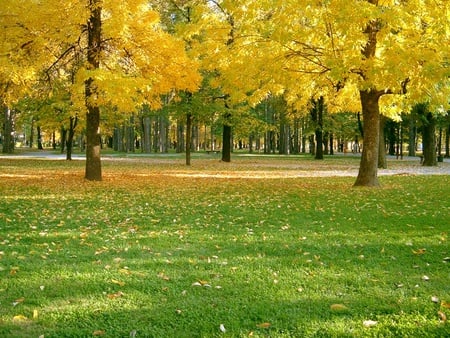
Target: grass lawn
{"type": "Point", "coordinates": [158, 249]}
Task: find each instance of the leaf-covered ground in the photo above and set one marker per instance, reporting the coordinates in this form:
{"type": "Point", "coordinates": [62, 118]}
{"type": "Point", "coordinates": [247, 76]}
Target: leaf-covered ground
{"type": "Point", "coordinates": [246, 249]}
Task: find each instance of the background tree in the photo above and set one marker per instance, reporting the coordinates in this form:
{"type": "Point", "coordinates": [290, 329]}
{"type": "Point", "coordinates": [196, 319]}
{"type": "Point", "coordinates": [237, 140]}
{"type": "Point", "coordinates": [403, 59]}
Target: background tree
{"type": "Point", "coordinates": [387, 48]}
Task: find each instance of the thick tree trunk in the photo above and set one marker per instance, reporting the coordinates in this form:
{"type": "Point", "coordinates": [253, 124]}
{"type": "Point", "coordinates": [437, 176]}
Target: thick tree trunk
{"type": "Point", "coordinates": [226, 143]}
{"type": "Point", "coordinates": [146, 131]}
{"type": "Point", "coordinates": [368, 169]}
{"type": "Point", "coordinates": [93, 142]}
{"type": "Point", "coordinates": [317, 117]}
{"type": "Point", "coordinates": [429, 141]}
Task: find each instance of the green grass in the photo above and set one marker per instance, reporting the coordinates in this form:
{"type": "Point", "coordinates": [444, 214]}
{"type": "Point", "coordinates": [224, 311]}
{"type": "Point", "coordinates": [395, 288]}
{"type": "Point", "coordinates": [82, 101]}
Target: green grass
{"type": "Point", "coordinates": [160, 250]}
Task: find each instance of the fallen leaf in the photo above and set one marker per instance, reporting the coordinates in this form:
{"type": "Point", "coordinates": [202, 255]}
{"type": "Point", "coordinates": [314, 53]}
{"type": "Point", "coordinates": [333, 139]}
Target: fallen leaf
{"type": "Point", "coordinates": [19, 318]}
{"type": "Point", "coordinates": [115, 295]}
{"type": "Point", "coordinates": [338, 307]}
{"type": "Point", "coordinates": [263, 325]}
{"type": "Point", "coordinates": [118, 282]}
{"type": "Point", "coordinates": [445, 304]}
{"type": "Point", "coordinates": [98, 333]}
{"type": "Point", "coordinates": [35, 314]}
{"type": "Point", "coordinates": [369, 323]}
{"type": "Point", "coordinates": [442, 316]}
{"type": "Point", "coordinates": [18, 301]}
{"type": "Point", "coordinates": [419, 251]}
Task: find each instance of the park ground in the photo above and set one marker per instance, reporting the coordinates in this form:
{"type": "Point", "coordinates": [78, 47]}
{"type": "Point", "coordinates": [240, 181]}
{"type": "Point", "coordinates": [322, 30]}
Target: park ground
{"type": "Point", "coordinates": [264, 246]}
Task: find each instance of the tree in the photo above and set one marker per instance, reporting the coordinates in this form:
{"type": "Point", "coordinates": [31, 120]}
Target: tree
{"type": "Point", "coordinates": [312, 49]}
{"type": "Point", "coordinates": [128, 58]}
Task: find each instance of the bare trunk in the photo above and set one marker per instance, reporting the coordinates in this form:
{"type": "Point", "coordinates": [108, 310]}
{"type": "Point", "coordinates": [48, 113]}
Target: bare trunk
{"type": "Point", "coordinates": [368, 169]}
{"type": "Point", "coordinates": [8, 131]}
{"type": "Point", "coordinates": [429, 141]}
{"type": "Point", "coordinates": [93, 162]}
{"type": "Point", "coordinates": [382, 163]}
{"type": "Point", "coordinates": [188, 138]}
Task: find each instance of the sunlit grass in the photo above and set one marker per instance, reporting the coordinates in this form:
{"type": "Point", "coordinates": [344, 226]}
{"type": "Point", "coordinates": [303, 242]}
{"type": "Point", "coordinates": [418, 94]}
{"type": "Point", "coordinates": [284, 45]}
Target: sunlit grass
{"type": "Point", "coordinates": [152, 253]}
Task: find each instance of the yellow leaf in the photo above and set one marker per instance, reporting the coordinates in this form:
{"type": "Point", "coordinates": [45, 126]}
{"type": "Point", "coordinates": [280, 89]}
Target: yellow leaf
{"type": "Point", "coordinates": [19, 318]}
{"type": "Point", "coordinates": [118, 282]}
{"type": "Point", "coordinates": [98, 333]}
{"type": "Point", "coordinates": [419, 251]}
{"type": "Point", "coordinates": [35, 314]}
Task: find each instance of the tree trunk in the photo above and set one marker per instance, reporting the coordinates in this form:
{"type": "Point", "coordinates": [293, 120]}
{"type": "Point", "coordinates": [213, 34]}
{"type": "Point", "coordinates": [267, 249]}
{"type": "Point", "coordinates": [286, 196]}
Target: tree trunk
{"type": "Point", "coordinates": [71, 133]}
{"type": "Point", "coordinates": [447, 139]}
{"type": "Point", "coordinates": [8, 131]}
{"type": "Point", "coordinates": [382, 163]}
{"type": "Point", "coordinates": [317, 117]}
{"type": "Point", "coordinates": [63, 139]}
{"type": "Point", "coordinates": [39, 136]}
{"type": "Point", "coordinates": [93, 141]}
{"type": "Point", "coordinates": [146, 131]}
{"type": "Point", "coordinates": [412, 135]}
{"type": "Point", "coordinates": [226, 143]}
{"type": "Point", "coordinates": [188, 138]}
{"type": "Point", "coordinates": [368, 169]}
{"type": "Point", "coordinates": [429, 141]}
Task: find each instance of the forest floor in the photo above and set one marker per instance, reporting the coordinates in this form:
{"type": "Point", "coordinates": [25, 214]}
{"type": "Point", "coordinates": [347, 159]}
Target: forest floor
{"type": "Point", "coordinates": [254, 165]}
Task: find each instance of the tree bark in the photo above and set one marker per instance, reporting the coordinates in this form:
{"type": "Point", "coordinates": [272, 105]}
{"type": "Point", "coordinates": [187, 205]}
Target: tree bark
{"type": "Point", "coordinates": [226, 143]}
{"type": "Point", "coordinates": [317, 117]}
{"type": "Point", "coordinates": [382, 163]}
{"type": "Point", "coordinates": [93, 142]}
{"type": "Point", "coordinates": [188, 138]}
{"type": "Point", "coordinates": [71, 132]}
{"type": "Point", "coordinates": [368, 169]}
{"type": "Point", "coordinates": [429, 141]}
{"type": "Point", "coordinates": [8, 131]}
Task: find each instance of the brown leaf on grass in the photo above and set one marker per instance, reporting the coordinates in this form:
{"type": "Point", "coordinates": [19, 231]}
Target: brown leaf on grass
{"type": "Point", "coordinates": [98, 333]}
{"type": "Point", "coordinates": [445, 304]}
{"type": "Point", "coordinates": [264, 325]}
{"type": "Point", "coordinates": [338, 307]}
{"type": "Point", "coordinates": [115, 295]}
{"type": "Point", "coordinates": [419, 251]}
{"type": "Point", "coordinates": [18, 301]}
{"type": "Point", "coordinates": [442, 316]}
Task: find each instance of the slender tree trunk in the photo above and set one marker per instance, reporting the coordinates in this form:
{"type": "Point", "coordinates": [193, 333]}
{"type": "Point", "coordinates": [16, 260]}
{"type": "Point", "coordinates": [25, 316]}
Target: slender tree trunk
{"type": "Point", "coordinates": [71, 133]}
{"type": "Point", "coordinates": [447, 138]}
{"type": "Point", "coordinates": [93, 141]}
{"type": "Point", "coordinates": [39, 136]}
{"type": "Point", "coordinates": [382, 163]}
{"type": "Point", "coordinates": [368, 169]}
{"type": "Point", "coordinates": [8, 131]}
{"type": "Point", "coordinates": [188, 138]}
{"type": "Point", "coordinates": [63, 139]}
